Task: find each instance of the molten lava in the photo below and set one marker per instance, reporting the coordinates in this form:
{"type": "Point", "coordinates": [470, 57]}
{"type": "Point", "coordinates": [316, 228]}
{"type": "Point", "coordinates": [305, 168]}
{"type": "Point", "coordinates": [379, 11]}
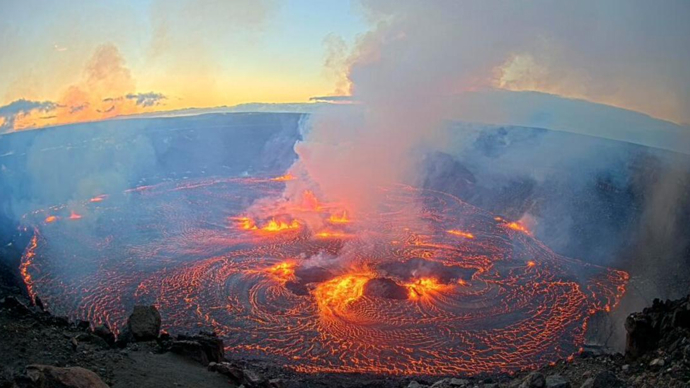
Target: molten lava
{"type": "Point", "coordinates": [279, 226]}
{"type": "Point", "coordinates": [424, 287]}
{"type": "Point", "coordinates": [75, 216]}
{"type": "Point", "coordinates": [282, 272]}
{"type": "Point", "coordinates": [341, 218]}
{"type": "Point", "coordinates": [284, 178]}
{"type": "Point", "coordinates": [460, 233]}
{"type": "Point", "coordinates": [517, 227]}
{"type": "Point", "coordinates": [334, 296]}
{"type": "Point", "coordinates": [245, 223]}
{"type": "Point", "coordinates": [332, 234]}
{"type": "Point", "coordinates": [397, 294]}
{"type": "Point", "coordinates": [50, 219]}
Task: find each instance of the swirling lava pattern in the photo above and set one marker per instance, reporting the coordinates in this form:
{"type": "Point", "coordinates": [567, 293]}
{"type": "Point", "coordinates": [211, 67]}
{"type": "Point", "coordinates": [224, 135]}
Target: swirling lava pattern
{"type": "Point", "coordinates": [430, 285]}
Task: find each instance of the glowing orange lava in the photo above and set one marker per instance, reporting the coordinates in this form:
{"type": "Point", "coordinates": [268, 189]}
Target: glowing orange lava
{"type": "Point", "coordinates": [341, 218]}
{"type": "Point", "coordinates": [460, 233]}
{"type": "Point", "coordinates": [334, 296]}
{"type": "Point", "coordinates": [331, 234]}
{"type": "Point", "coordinates": [423, 287]}
{"type": "Point", "coordinates": [517, 226]}
{"type": "Point", "coordinates": [245, 223]}
{"type": "Point", "coordinates": [74, 216]}
{"type": "Point", "coordinates": [453, 292]}
{"type": "Point", "coordinates": [283, 271]}
{"type": "Point", "coordinates": [50, 219]}
{"type": "Point", "coordinates": [99, 198]}
{"type": "Point", "coordinates": [279, 226]}
{"type": "Point", "coordinates": [26, 262]}
{"type": "Point", "coordinates": [284, 178]}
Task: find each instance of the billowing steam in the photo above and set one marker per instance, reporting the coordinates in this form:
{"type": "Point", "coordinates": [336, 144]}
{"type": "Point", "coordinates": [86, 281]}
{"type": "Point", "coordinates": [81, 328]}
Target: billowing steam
{"type": "Point", "coordinates": [404, 73]}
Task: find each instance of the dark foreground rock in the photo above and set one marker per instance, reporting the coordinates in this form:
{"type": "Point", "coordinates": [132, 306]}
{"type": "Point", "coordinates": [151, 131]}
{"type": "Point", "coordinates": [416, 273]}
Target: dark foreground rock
{"type": "Point", "coordinates": [203, 347]}
{"type": "Point", "coordinates": [663, 325]}
{"type": "Point", "coordinates": [145, 323]}
{"type": "Point", "coordinates": [50, 376]}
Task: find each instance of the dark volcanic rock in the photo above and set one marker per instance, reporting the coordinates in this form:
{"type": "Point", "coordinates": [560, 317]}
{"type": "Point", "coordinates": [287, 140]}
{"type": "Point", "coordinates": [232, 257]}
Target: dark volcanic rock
{"type": "Point", "coordinates": [104, 332]}
{"type": "Point", "coordinates": [604, 379]}
{"type": "Point", "coordinates": [144, 323]}
{"type": "Point", "coordinates": [641, 336]}
{"type": "Point", "coordinates": [385, 288]}
{"type": "Point", "coordinates": [75, 377]}
{"type": "Point", "coordinates": [534, 380]}
{"type": "Point", "coordinates": [313, 274]}
{"type": "Point", "coordinates": [297, 288]}
{"type": "Point", "coordinates": [203, 347]}
{"type": "Point", "coordinates": [225, 368]}
{"type": "Point", "coordinates": [556, 381]}
{"type": "Point", "coordinates": [14, 304]}
{"type": "Point", "coordinates": [663, 324]}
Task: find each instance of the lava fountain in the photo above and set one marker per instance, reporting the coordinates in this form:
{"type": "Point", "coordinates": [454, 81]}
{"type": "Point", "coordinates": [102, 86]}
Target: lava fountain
{"type": "Point", "coordinates": [446, 289]}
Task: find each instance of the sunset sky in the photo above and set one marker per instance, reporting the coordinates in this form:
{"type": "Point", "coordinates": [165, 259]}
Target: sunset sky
{"type": "Point", "coordinates": [70, 61]}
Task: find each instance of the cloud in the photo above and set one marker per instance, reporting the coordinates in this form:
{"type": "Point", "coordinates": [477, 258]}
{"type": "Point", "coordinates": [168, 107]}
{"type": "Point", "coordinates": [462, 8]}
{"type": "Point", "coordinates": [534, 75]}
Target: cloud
{"type": "Point", "coordinates": [146, 99]}
{"type": "Point", "coordinates": [335, 99]}
{"type": "Point", "coordinates": [21, 108]}
{"type": "Point", "coordinates": [90, 99]}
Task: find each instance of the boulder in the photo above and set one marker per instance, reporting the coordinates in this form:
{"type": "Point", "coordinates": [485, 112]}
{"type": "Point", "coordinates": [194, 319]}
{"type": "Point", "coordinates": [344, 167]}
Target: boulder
{"type": "Point", "coordinates": [640, 335]}
{"type": "Point", "coordinates": [103, 331]}
{"type": "Point", "coordinates": [82, 325]}
{"type": "Point", "coordinates": [451, 383]}
{"type": "Point", "coordinates": [556, 381]}
{"type": "Point", "coordinates": [203, 347]}
{"type": "Point", "coordinates": [681, 318]}
{"type": "Point", "coordinates": [144, 323]}
{"type": "Point", "coordinates": [92, 339]}
{"type": "Point", "coordinates": [534, 380]}
{"type": "Point", "coordinates": [603, 379]}
{"type": "Point", "coordinates": [227, 369]}
{"type": "Point", "coordinates": [275, 383]}
{"type": "Point", "coordinates": [74, 377]}
{"type": "Point", "coordinates": [385, 288]}
{"type": "Point", "coordinates": [253, 378]}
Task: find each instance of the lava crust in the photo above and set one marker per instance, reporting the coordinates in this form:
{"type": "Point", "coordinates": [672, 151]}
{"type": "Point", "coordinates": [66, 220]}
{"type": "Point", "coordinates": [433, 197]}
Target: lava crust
{"type": "Point", "coordinates": [429, 285]}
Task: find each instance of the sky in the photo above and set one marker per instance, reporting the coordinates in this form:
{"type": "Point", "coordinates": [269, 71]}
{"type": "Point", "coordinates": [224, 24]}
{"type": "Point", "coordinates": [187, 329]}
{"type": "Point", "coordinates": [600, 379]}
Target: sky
{"type": "Point", "coordinates": [194, 53]}
{"type": "Point", "coordinates": [72, 61]}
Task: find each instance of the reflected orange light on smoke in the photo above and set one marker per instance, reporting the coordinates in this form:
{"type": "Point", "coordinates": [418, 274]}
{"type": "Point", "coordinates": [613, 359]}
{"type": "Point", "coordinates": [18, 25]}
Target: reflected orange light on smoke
{"type": "Point", "coordinates": [74, 216]}
{"type": "Point", "coordinates": [284, 178]}
{"type": "Point", "coordinates": [50, 219]}
{"type": "Point", "coordinates": [424, 286]}
{"type": "Point", "coordinates": [341, 218]}
{"type": "Point", "coordinates": [310, 201]}
{"type": "Point", "coordinates": [336, 294]}
{"type": "Point", "coordinates": [460, 233]}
